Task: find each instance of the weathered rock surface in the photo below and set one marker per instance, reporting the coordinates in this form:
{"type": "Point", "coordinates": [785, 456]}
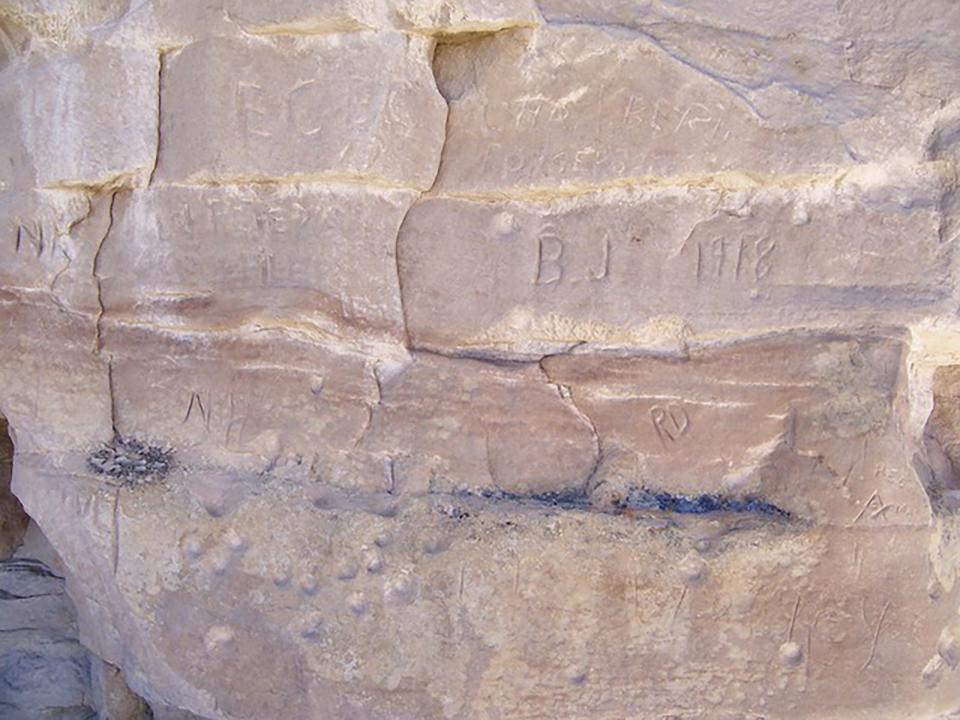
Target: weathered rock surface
{"type": "Point", "coordinates": [262, 110]}
{"type": "Point", "coordinates": [476, 359]}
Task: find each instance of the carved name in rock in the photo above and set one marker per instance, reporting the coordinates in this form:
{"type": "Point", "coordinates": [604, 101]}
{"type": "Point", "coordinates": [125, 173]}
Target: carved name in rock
{"type": "Point", "coordinates": [48, 244]}
{"type": "Point", "coordinates": [297, 255]}
{"type": "Point", "coordinates": [580, 126]}
{"type": "Point", "coordinates": [278, 115]}
{"type": "Point", "coordinates": [810, 425]}
{"type": "Point", "coordinates": [646, 271]}
{"type": "Point", "coordinates": [226, 402]}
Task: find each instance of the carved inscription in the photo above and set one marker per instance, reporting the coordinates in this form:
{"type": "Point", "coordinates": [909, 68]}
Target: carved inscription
{"type": "Point", "coordinates": [277, 262]}
{"type": "Point", "coordinates": [296, 113]}
{"type": "Point", "coordinates": [553, 266]}
{"type": "Point", "coordinates": [671, 422]}
{"type": "Point", "coordinates": [744, 259]}
{"type": "Point", "coordinates": [36, 237]}
{"type": "Point", "coordinates": [222, 414]}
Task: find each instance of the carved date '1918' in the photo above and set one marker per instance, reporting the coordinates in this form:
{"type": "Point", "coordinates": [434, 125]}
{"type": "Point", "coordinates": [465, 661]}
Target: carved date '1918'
{"type": "Point", "coordinates": [744, 258]}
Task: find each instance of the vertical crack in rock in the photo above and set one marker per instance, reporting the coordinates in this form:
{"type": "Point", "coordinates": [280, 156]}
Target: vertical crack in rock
{"type": "Point", "coordinates": [161, 58]}
{"type": "Point", "coordinates": [566, 396]}
{"type": "Point", "coordinates": [98, 323]}
{"type": "Point", "coordinates": [115, 539]}
{"type": "Point", "coordinates": [96, 270]}
{"type": "Point", "coordinates": [442, 40]}
{"type": "Point", "coordinates": [396, 246]}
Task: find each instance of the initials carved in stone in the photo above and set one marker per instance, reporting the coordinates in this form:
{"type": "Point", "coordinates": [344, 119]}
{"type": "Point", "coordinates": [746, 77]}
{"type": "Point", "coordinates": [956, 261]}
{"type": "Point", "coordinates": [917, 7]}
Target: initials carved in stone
{"type": "Point", "coordinates": [553, 265]}
{"type": "Point", "coordinates": [295, 114]}
{"type": "Point", "coordinates": [670, 421]}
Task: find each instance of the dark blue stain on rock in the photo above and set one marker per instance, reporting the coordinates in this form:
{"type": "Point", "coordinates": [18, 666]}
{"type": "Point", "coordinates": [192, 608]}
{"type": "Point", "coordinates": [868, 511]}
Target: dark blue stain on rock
{"type": "Point", "coordinates": [643, 499]}
{"type": "Point", "coordinates": [564, 499]}
{"type": "Point", "coordinates": [699, 504]}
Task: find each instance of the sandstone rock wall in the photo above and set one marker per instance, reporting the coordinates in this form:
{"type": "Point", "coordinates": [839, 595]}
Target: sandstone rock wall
{"type": "Point", "coordinates": [479, 359]}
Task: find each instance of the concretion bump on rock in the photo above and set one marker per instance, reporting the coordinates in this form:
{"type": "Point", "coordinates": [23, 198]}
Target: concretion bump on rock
{"type": "Point", "coordinates": [234, 541]}
{"type": "Point", "coordinates": [948, 648]}
{"type": "Point", "coordinates": [347, 570]}
{"type": "Point", "coordinates": [504, 223]}
{"type": "Point", "coordinates": [214, 508]}
{"type": "Point", "coordinates": [191, 546]}
{"type": "Point", "coordinates": [693, 569]}
{"type": "Point", "coordinates": [401, 589]}
{"type": "Point", "coordinates": [800, 214]}
{"type": "Point", "coordinates": [435, 544]}
{"type": "Point", "coordinates": [357, 603]}
{"type": "Point", "coordinates": [281, 576]}
{"type": "Point", "coordinates": [311, 627]}
{"type": "Point", "coordinates": [308, 584]}
{"type": "Point", "coordinates": [220, 561]}
{"type": "Point", "coordinates": [372, 560]}
{"type": "Point", "coordinates": [791, 654]}
{"type": "Point", "coordinates": [217, 636]}
{"type": "Point", "coordinates": [576, 674]}
{"type": "Point", "coordinates": [932, 672]}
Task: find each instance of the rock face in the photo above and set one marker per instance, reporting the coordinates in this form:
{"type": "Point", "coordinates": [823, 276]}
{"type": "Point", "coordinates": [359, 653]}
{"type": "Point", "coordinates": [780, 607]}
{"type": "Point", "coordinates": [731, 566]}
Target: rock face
{"type": "Point", "coordinates": [476, 359]}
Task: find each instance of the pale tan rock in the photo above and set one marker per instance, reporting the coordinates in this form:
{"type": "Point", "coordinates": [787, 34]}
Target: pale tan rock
{"type": "Point", "coordinates": [98, 108]}
{"type": "Point", "coordinates": [459, 425]}
{"type": "Point", "coordinates": [466, 16]}
{"type": "Point", "coordinates": [261, 111]}
{"type": "Point", "coordinates": [626, 270]}
{"type": "Point", "coordinates": [846, 65]}
{"type": "Point", "coordinates": [624, 389]}
{"type": "Point", "coordinates": [318, 257]}
{"type": "Point", "coordinates": [60, 22]}
{"type": "Point", "coordinates": [420, 16]}
{"type": "Point", "coordinates": [303, 17]}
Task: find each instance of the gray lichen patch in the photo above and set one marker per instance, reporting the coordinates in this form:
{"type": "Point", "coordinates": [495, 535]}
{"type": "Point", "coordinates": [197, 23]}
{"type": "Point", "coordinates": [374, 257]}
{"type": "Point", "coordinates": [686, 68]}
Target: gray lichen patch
{"type": "Point", "coordinates": [131, 460]}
